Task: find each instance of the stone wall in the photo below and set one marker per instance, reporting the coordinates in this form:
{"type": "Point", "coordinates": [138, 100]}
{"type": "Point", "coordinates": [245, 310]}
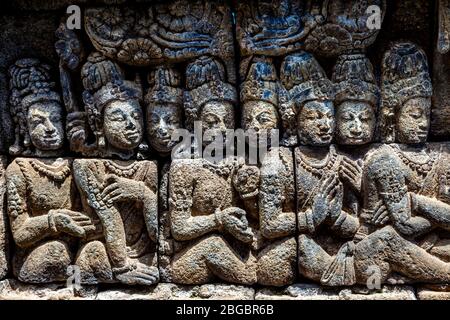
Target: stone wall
{"type": "Point", "coordinates": [115, 183]}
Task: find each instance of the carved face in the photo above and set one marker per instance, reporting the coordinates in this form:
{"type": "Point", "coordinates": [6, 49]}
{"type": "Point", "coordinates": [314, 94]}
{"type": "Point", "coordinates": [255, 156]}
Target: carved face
{"type": "Point", "coordinates": [315, 123]}
{"type": "Point", "coordinates": [259, 116]}
{"type": "Point", "coordinates": [123, 124]}
{"type": "Point", "coordinates": [162, 121]}
{"type": "Point", "coordinates": [355, 123]}
{"type": "Point", "coordinates": [217, 117]}
{"type": "Point", "coordinates": [45, 125]}
{"type": "Point", "coordinates": [413, 121]}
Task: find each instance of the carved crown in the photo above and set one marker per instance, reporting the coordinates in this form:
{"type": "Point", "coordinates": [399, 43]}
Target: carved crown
{"type": "Point", "coordinates": [355, 80]}
{"type": "Point", "coordinates": [261, 83]}
{"type": "Point", "coordinates": [205, 78]}
{"type": "Point", "coordinates": [164, 89]}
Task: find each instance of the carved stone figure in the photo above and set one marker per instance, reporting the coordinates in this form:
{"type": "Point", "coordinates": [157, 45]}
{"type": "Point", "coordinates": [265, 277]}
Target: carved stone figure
{"type": "Point", "coordinates": [356, 100]}
{"type": "Point", "coordinates": [211, 235]}
{"type": "Point", "coordinates": [326, 216]}
{"type": "Point", "coordinates": [164, 103]}
{"type": "Point", "coordinates": [4, 234]}
{"type": "Point", "coordinates": [260, 96]}
{"type": "Point", "coordinates": [43, 206]}
{"type": "Point", "coordinates": [36, 110]}
{"type": "Point", "coordinates": [267, 189]}
{"type": "Point", "coordinates": [122, 194]}
{"type": "Point", "coordinates": [113, 112]}
{"type": "Point", "coordinates": [405, 185]}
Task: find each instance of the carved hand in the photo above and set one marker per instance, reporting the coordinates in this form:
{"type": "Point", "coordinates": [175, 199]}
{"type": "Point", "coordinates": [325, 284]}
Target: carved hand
{"type": "Point", "coordinates": [234, 221]}
{"type": "Point", "coordinates": [71, 222]}
{"type": "Point", "coordinates": [119, 189]}
{"type": "Point", "coordinates": [381, 215]}
{"type": "Point", "coordinates": [321, 203]}
{"type": "Point", "coordinates": [337, 195]}
{"type": "Point", "coordinates": [351, 173]}
{"type": "Point", "coordinates": [76, 130]}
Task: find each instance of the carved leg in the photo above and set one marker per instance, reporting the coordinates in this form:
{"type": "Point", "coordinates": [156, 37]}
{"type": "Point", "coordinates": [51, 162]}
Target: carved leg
{"type": "Point", "coordinates": [388, 251]}
{"type": "Point", "coordinates": [94, 263]}
{"type": "Point", "coordinates": [114, 236]}
{"type": "Point", "coordinates": [441, 249]}
{"type": "Point", "coordinates": [209, 257]}
{"type": "Point", "coordinates": [436, 211]}
{"type": "Point", "coordinates": [276, 263]}
{"type": "Point", "coordinates": [46, 263]}
{"type": "Point", "coordinates": [312, 259]}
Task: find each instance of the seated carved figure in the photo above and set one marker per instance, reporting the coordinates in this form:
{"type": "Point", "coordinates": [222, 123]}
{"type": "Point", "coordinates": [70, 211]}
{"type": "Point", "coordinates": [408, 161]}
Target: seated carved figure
{"type": "Point", "coordinates": [326, 218]}
{"type": "Point", "coordinates": [210, 232]}
{"type": "Point", "coordinates": [270, 202]}
{"type": "Point", "coordinates": [43, 205]}
{"type": "Point", "coordinates": [122, 194]}
{"type": "Point", "coordinates": [406, 204]}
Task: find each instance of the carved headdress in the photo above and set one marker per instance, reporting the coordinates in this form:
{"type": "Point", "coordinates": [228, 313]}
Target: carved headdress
{"type": "Point", "coordinates": [405, 76]}
{"type": "Point", "coordinates": [103, 81]}
{"type": "Point", "coordinates": [261, 83]}
{"type": "Point", "coordinates": [355, 81]}
{"type": "Point", "coordinates": [30, 83]}
{"type": "Point", "coordinates": [304, 80]}
{"type": "Point", "coordinates": [205, 82]}
{"type": "Point", "coordinates": [164, 87]}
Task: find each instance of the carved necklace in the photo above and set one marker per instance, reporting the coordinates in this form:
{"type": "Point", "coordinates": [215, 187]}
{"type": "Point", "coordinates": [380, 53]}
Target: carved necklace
{"type": "Point", "coordinates": [420, 168]}
{"type": "Point", "coordinates": [223, 169]}
{"type": "Point", "coordinates": [321, 168]}
{"type": "Point", "coordinates": [126, 172]}
{"type": "Point", "coordinates": [59, 175]}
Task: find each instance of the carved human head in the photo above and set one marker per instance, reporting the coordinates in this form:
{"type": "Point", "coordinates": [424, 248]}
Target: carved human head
{"type": "Point", "coordinates": [209, 98]}
{"type": "Point", "coordinates": [113, 106]}
{"type": "Point", "coordinates": [164, 103]}
{"type": "Point", "coordinates": [309, 103]}
{"type": "Point", "coordinates": [356, 100]}
{"type": "Point", "coordinates": [36, 110]}
{"type": "Point", "coordinates": [259, 96]}
{"type": "Point", "coordinates": [406, 94]}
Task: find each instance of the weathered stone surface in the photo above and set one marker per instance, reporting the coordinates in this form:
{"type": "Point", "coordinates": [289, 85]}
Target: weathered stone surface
{"type": "Point", "coordinates": [11, 289]}
{"type": "Point", "coordinates": [429, 293]}
{"type": "Point", "coordinates": [315, 292]}
{"type": "Point", "coordinates": [120, 180]}
{"type": "Point", "coordinates": [170, 291]}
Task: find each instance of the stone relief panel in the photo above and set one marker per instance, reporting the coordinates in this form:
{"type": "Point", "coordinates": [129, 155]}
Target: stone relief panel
{"type": "Point", "coordinates": [353, 181]}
